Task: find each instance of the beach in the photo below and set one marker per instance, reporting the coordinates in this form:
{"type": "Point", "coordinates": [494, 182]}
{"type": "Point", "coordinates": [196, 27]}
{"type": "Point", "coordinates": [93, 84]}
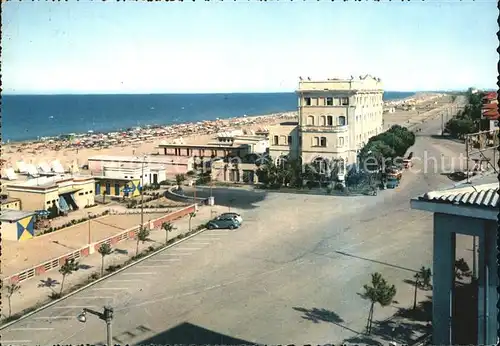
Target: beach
{"type": "Point", "coordinates": [77, 148]}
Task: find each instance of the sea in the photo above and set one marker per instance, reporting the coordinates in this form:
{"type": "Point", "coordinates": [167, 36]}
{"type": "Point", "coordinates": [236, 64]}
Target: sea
{"type": "Point", "coordinates": [30, 117]}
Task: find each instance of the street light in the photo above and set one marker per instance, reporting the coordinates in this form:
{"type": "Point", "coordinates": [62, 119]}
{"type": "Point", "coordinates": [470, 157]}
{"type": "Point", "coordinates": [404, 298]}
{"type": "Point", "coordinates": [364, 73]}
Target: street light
{"type": "Point", "coordinates": [90, 240]}
{"type": "Point", "coordinates": [106, 316]}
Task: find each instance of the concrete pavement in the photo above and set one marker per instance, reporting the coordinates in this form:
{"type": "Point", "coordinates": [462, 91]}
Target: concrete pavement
{"type": "Point", "coordinates": [291, 274]}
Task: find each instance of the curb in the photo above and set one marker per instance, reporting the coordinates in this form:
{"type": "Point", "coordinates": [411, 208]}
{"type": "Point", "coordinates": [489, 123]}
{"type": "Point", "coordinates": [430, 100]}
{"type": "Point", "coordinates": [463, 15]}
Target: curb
{"type": "Point", "coordinates": [2, 327]}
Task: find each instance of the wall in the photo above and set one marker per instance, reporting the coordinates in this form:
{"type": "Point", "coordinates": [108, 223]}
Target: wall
{"type": "Point", "coordinates": [14, 205]}
{"type": "Point", "coordinates": [25, 228]}
{"type": "Point", "coordinates": [121, 183]}
{"type": "Point", "coordinates": [86, 195]}
{"type": "Point", "coordinates": [31, 200]}
{"type": "Point", "coordinates": [90, 249]}
{"type": "Point", "coordinates": [283, 147]}
{"type": "Point", "coordinates": [9, 230]}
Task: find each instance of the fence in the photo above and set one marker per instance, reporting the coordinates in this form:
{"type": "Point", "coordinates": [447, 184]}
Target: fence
{"type": "Point", "coordinates": [92, 248]}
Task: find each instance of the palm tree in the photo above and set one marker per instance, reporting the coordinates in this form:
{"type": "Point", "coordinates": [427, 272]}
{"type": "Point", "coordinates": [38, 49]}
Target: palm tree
{"type": "Point", "coordinates": [191, 215]}
{"type": "Point", "coordinates": [66, 269]}
{"type": "Point", "coordinates": [425, 276]}
{"type": "Point", "coordinates": [104, 250]}
{"type": "Point", "coordinates": [11, 289]}
{"type": "Point", "coordinates": [142, 235]}
{"type": "Point", "coordinates": [417, 277]}
{"type": "Point", "coordinates": [379, 292]}
{"type": "Point", "coordinates": [168, 227]}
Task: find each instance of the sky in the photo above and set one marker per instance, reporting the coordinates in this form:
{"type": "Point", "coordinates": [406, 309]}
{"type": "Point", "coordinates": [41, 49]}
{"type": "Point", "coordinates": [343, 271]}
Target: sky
{"type": "Point", "coordinates": [244, 46]}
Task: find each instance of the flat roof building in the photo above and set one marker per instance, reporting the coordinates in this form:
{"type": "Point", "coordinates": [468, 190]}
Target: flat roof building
{"type": "Point", "coordinates": [17, 225]}
{"type": "Point", "coordinates": [65, 192]}
{"type": "Point", "coordinates": [10, 203]}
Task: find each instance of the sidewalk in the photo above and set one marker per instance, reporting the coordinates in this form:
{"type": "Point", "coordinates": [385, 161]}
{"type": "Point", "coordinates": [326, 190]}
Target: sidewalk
{"type": "Point", "coordinates": [39, 288]}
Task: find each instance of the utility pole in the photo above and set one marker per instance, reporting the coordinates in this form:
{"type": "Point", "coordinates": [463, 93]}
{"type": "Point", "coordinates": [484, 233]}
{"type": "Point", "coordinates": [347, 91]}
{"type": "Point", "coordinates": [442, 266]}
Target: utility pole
{"type": "Point", "coordinates": [106, 316]}
{"type": "Point", "coordinates": [442, 124]}
{"type": "Point", "coordinates": [142, 191]}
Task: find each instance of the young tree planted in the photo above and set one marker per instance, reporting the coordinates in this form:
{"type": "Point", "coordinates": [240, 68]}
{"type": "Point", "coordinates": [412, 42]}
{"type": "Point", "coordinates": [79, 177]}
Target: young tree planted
{"type": "Point", "coordinates": [191, 215]}
{"type": "Point", "coordinates": [167, 227]}
{"type": "Point", "coordinates": [104, 250]}
{"type": "Point", "coordinates": [379, 292]}
{"type": "Point", "coordinates": [66, 269]}
{"type": "Point", "coordinates": [179, 179]}
{"type": "Point", "coordinates": [11, 289]}
{"type": "Point", "coordinates": [142, 236]}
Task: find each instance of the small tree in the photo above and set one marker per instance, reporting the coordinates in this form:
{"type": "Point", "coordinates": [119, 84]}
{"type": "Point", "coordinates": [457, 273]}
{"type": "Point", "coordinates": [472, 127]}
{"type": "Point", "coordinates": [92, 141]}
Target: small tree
{"type": "Point", "coordinates": [66, 269]}
{"type": "Point", "coordinates": [179, 179]}
{"type": "Point", "coordinates": [142, 236]}
{"type": "Point", "coordinates": [191, 215]}
{"type": "Point", "coordinates": [167, 227]}
{"type": "Point", "coordinates": [11, 289]}
{"type": "Point", "coordinates": [104, 250]}
{"type": "Point", "coordinates": [379, 292]}
{"type": "Point", "coordinates": [417, 277]}
{"type": "Point", "coordinates": [425, 277]}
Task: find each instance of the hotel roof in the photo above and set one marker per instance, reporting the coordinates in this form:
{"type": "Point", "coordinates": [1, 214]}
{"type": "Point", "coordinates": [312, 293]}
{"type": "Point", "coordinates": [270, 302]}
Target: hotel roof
{"type": "Point", "coordinates": [14, 215]}
{"type": "Point", "coordinates": [48, 182]}
{"type": "Point", "coordinates": [162, 159]}
{"type": "Point", "coordinates": [485, 196]}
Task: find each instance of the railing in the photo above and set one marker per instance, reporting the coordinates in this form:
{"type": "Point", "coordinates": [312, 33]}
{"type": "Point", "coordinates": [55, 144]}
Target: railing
{"type": "Point", "coordinates": [326, 128]}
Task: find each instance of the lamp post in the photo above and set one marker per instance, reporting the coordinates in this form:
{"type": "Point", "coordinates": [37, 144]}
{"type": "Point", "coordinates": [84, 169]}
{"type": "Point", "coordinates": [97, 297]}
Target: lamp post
{"type": "Point", "coordinates": [106, 316]}
{"type": "Point", "coordinates": [90, 239]}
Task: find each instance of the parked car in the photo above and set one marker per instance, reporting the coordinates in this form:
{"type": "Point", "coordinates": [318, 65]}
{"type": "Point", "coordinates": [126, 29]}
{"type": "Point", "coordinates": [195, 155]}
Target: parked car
{"type": "Point", "coordinates": [235, 215]}
{"type": "Point", "coordinates": [227, 222]}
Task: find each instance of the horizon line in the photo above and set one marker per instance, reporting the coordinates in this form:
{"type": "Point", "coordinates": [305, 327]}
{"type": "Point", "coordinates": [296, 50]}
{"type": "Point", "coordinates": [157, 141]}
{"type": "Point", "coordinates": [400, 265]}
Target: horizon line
{"type": "Point", "coordinates": [207, 93]}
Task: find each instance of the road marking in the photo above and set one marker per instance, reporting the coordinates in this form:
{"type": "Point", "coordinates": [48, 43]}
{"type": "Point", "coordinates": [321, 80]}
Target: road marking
{"type": "Point", "coordinates": [109, 288]}
{"type": "Point", "coordinates": [125, 280]}
{"type": "Point", "coordinates": [15, 341]}
{"type": "Point", "coordinates": [74, 307]}
{"type": "Point", "coordinates": [198, 243]}
{"type": "Point", "coordinates": [154, 266]}
{"type": "Point", "coordinates": [174, 254]}
{"type": "Point", "coordinates": [145, 273]}
{"type": "Point", "coordinates": [94, 298]}
{"type": "Point", "coordinates": [187, 248]}
{"type": "Point", "coordinates": [54, 318]}
{"type": "Point", "coordinates": [30, 329]}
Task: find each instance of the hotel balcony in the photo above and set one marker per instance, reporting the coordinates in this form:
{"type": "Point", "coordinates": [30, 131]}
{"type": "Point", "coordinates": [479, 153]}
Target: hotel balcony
{"type": "Point", "coordinates": [325, 128]}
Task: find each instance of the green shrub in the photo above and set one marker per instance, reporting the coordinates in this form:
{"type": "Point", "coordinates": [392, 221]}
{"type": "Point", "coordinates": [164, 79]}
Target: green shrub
{"type": "Point", "coordinates": [55, 295]}
{"type": "Point", "coordinates": [180, 236]}
{"type": "Point", "coordinates": [94, 276]}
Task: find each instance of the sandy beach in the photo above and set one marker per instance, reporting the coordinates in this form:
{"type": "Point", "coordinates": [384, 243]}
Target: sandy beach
{"type": "Point", "coordinates": [145, 140]}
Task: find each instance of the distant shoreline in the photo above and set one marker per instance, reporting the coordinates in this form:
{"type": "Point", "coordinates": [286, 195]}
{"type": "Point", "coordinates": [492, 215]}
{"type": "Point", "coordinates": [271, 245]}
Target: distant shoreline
{"type": "Point", "coordinates": [110, 129]}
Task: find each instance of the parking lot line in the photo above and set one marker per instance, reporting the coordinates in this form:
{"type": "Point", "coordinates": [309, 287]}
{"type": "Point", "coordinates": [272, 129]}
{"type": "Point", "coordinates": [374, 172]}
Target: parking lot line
{"type": "Point", "coordinates": [54, 318]}
{"type": "Point", "coordinates": [15, 341]}
{"type": "Point", "coordinates": [126, 280]}
{"type": "Point", "coordinates": [16, 329]}
{"type": "Point", "coordinates": [154, 267]}
{"type": "Point", "coordinates": [93, 297]}
{"type": "Point", "coordinates": [198, 243]}
{"type": "Point", "coordinates": [186, 248]}
{"type": "Point", "coordinates": [174, 254]}
{"type": "Point", "coordinates": [74, 307]}
{"type": "Point", "coordinates": [145, 273]}
{"type": "Point", "coordinates": [108, 288]}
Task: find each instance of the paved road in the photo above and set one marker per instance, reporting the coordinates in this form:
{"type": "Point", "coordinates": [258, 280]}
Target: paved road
{"type": "Point", "coordinates": [291, 273]}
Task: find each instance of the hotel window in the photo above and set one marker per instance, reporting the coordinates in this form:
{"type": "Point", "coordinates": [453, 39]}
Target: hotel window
{"type": "Point", "coordinates": [310, 120]}
{"type": "Point", "coordinates": [80, 194]}
{"type": "Point", "coordinates": [341, 142]}
{"type": "Point", "coordinates": [329, 101]}
{"type": "Point", "coordinates": [321, 101]}
{"type": "Point", "coordinates": [344, 101]}
{"type": "Point", "coordinates": [289, 140]}
{"type": "Point", "coordinates": [276, 140]}
{"type": "Point", "coordinates": [307, 101]}
{"type": "Point", "coordinates": [323, 120]}
{"type": "Point", "coordinates": [329, 120]}
{"type": "Point", "coordinates": [315, 141]}
{"type": "Point", "coordinates": [342, 121]}
{"type": "Point", "coordinates": [323, 142]}
{"type": "Point", "coordinates": [282, 140]}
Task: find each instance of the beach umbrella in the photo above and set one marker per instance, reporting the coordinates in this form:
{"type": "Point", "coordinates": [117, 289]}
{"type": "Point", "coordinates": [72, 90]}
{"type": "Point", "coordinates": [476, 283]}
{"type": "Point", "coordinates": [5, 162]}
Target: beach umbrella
{"type": "Point", "coordinates": [42, 213]}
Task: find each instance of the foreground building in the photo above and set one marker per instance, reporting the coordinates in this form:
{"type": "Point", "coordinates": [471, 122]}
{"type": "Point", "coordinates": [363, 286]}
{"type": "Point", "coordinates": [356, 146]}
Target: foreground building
{"type": "Point", "coordinates": [336, 119]}
{"type": "Point", "coordinates": [65, 192]}
{"type": "Point", "coordinates": [473, 211]}
{"type": "Point", "coordinates": [17, 225]}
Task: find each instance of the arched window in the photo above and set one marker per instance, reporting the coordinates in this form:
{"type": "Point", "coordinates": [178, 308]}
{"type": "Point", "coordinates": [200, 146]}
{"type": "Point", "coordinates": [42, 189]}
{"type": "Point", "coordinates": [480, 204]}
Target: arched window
{"type": "Point", "coordinates": [315, 141]}
{"type": "Point", "coordinates": [329, 120]}
{"type": "Point", "coordinates": [276, 140]}
{"type": "Point", "coordinates": [310, 120]}
{"type": "Point", "coordinates": [342, 121]}
{"type": "Point", "coordinates": [323, 120]}
{"type": "Point", "coordinates": [323, 142]}
{"type": "Point", "coordinates": [282, 140]}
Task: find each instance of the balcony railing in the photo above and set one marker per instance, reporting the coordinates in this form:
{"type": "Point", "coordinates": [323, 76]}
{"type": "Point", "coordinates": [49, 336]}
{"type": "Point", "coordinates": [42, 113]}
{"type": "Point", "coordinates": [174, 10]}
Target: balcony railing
{"type": "Point", "coordinates": [326, 128]}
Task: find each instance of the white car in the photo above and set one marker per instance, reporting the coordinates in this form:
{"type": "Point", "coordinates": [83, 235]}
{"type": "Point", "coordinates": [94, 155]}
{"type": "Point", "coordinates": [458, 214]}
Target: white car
{"type": "Point", "coordinates": [235, 215]}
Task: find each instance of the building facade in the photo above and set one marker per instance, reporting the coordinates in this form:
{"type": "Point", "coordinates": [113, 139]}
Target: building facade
{"type": "Point", "coordinates": [10, 203]}
{"type": "Point", "coordinates": [17, 225]}
{"type": "Point", "coordinates": [336, 119]}
{"type": "Point", "coordinates": [472, 211]}
{"type": "Point", "coordinates": [65, 192]}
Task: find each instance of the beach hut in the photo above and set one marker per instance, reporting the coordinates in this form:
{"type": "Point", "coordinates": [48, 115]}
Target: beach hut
{"type": "Point", "coordinates": [31, 170]}
{"type": "Point", "coordinates": [10, 174]}
{"type": "Point", "coordinates": [21, 166]}
{"type": "Point", "coordinates": [57, 167]}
